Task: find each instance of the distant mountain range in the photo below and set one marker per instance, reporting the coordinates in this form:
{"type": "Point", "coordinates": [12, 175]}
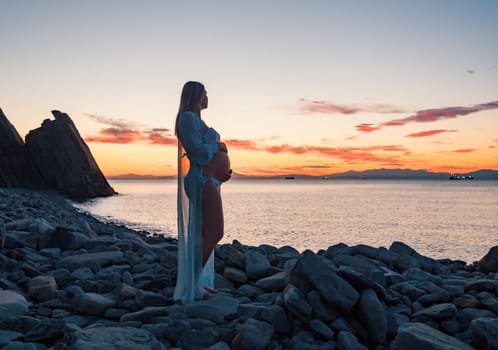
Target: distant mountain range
{"type": "Point", "coordinates": [374, 174]}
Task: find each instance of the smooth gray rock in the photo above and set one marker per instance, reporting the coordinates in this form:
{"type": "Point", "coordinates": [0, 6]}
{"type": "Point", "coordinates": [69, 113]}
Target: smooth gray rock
{"type": "Point", "coordinates": [414, 274]}
{"type": "Point", "coordinates": [114, 338]}
{"type": "Point", "coordinates": [295, 301]}
{"type": "Point", "coordinates": [332, 288]}
{"type": "Point", "coordinates": [12, 305]}
{"type": "Point", "coordinates": [321, 310]}
{"type": "Point", "coordinates": [321, 330]}
{"type": "Point", "coordinates": [41, 227]}
{"type": "Point", "coordinates": [275, 282]}
{"type": "Point", "coordinates": [250, 290]}
{"type": "Point", "coordinates": [465, 316]}
{"type": "Point", "coordinates": [145, 298]}
{"type": "Point", "coordinates": [337, 249]}
{"type": "Point", "coordinates": [256, 265]}
{"type": "Point", "coordinates": [42, 288]}
{"type": "Point", "coordinates": [47, 330]}
{"type": "Point", "coordinates": [15, 239]}
{"type": "Point", "coordinates": [438, 312]}
{"type": "Point", "coordinates": [372, 312]}
{"type": "Point", "coordinates": [221, 345]}
{"type": "Point", "coordinates": [357, 262]}
{"type": "Point", "coordinates": [145, 314]}
{"type": "Point", "coordinates": [17, 345]}
{"type": "Point", "coordinates": [347, 341]}
{"type": "Point", "coordinates": [22, 324]}
{"type": "Point", "coordinates": [74, 262]}
{"type": "Point", "coordinates": [235, 275]}
{"type": "Point", "coordinates": [175, 330]}
{"type": "Point", "coordinates": [277, 317]}
{"type": "Point", "coordinates": [408, 289]}
{"type": "Point", "coordinates": [83, 273]}
{"type": "Point", "coordinates": [415, 335]}
{"type": "Point", "coordinates": [232, 256]}
{"type": "Point", "coordinates": [253, 335]}
{"type": "Point", "coordinates": [7, 336]}
{"type": "Point", "coordinates": [485, 333]}
{"type": "Point", "coordinates": [401, 248]}
{"type": "Point", "coordinates": [214, 309]}
{"type": "Point", "coordinates": [194, 339]}
{"type": "Point", "coordinates": [92, 304]}
{"type": "Point", "coordinates": [19, 225]}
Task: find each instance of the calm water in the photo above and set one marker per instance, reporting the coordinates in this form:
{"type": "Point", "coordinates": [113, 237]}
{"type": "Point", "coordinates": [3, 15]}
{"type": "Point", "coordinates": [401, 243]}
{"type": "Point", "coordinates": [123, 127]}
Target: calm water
{"type": "Point", "coordinates": [441, 219]}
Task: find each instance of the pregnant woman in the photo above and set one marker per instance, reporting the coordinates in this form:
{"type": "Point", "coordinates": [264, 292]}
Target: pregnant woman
{"type": "Point", "coordinates": [203, 164]}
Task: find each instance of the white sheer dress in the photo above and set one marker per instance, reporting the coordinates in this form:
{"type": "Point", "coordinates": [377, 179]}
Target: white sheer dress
{"type": "Point", "coordinates": [197, 144]}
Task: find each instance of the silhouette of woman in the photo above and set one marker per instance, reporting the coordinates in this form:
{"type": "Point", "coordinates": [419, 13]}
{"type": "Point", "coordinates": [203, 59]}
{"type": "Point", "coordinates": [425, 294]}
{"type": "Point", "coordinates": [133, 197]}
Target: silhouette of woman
{"type": "Point", "coordinates": [203, 164]}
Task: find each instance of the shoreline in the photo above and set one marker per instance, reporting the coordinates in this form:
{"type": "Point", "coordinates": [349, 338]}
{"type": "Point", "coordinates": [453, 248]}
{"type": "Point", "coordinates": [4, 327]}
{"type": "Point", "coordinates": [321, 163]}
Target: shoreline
{"type": "Point", "coordinates": [69, 280]}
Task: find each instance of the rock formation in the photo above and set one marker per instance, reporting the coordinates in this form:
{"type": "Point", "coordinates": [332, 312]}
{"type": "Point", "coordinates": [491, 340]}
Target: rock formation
{"type": "Point", "coordinates": [16, 168]}
{"type": "Point", "coordinates": [54, 156]}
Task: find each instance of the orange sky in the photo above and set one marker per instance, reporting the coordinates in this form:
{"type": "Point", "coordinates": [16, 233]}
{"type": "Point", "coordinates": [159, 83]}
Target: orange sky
{"type": "Point", "coordinates": [453, 139]}
{"type": "Point", "coordinates": [315, 88]}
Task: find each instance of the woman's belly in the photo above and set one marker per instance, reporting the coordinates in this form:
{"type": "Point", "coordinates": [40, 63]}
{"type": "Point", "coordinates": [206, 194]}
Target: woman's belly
{"type": "Point", "coordinates": [218, 167]}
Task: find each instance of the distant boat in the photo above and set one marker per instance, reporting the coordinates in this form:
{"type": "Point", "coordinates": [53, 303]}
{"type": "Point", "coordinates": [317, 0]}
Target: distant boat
{"type": "Point", "coordinates": [460, 177]}
{"type": "Point", "coordinates": [325, 178]}
{"type": "Point", "coordinates": [289, 177]}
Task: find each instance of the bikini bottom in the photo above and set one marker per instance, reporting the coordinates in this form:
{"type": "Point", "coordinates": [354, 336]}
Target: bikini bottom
{"type": "Point", "coordinates": [205, 179]}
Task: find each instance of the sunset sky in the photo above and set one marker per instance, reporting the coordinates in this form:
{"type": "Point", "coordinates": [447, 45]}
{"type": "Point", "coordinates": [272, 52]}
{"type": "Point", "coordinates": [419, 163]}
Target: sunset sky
{"type": "Point", "coordinates": [312, 87]}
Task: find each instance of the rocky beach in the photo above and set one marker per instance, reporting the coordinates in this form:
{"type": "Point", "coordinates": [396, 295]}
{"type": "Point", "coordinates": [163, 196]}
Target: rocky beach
{"type": "Point", "coordinates": [70, 281]}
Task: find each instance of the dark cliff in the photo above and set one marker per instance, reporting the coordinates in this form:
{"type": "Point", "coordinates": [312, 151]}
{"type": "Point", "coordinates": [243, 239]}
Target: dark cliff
{"type": "Point", "coordinates": [54, 156]}
{"type": "Point", "coordinates": [16, 168]}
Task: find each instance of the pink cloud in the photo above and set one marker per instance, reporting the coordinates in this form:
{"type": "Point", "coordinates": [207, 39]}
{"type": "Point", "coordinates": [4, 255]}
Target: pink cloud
{"type": "Point", "coordinates": [428, 133]}
{"type": "Point", "coordinates": [432, 115]}
{"type": "Point", "coordinates": [465, 150]}
{"type": "Point", "coordinates": [123, 132]}
{"type": "Point", "coordinates": [367, 127]}
{"type": "Point", "coordinates": [349, 154]}
{"type": "Point", "coordinates": [315, 106]}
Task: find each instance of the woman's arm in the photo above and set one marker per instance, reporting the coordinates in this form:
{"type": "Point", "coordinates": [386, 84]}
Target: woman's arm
{"type": "Point", "coordinates": [190, 135]}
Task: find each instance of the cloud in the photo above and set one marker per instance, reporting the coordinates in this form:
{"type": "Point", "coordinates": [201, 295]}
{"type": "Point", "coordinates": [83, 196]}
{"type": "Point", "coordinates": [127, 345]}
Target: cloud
{"type": "Point", "coordinates": [114, 122]}
{"type": "Point", "coordinates": [470, 71]}
{"type": "Point", "coordinates": [366, 127]}
{"type": "Point", "coordinates": [125, 132]}
{"type": "Point", "coordinates": [315, 106]}
{"type": "Point", "coordinates": [465, 150]}
{"type": "Point", "coordinates": [431, 115]}
{"type": "Point", "coordinates": [348, 154]}
{"type": "Point", "coordinates": [429, 133]}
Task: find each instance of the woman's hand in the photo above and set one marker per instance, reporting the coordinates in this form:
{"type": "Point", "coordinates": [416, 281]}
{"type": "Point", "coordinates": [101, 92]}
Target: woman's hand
{"type": "Point", "coordinates": [222, 147]}
{"type": "Point", "coordinates": [227, 177]}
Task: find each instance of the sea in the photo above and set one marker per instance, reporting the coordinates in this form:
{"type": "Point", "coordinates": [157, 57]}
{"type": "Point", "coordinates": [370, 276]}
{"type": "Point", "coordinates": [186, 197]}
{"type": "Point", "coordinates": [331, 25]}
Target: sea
{"type": "Point", "coordinates": [438, 218]}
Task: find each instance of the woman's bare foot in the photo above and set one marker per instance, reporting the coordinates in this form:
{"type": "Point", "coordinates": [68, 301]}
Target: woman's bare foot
{"type": "Point", "coordinates": [209, 292]}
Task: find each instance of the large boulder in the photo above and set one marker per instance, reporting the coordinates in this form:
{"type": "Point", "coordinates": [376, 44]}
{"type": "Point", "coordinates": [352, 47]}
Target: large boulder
{"type": "Point", "coordinates": [311, 272]}
{"type": "Point", "coordinates": [420, 336]}
{"type": "Point", "coordinates": [113, 338]}
{"type": "Point", "coordinates": [12, 305]}
{"type": "Point", "coordinates": [64, 160]}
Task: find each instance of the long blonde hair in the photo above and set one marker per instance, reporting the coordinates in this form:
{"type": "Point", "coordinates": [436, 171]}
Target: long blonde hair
{"type": "Point", "coordinates": [191, 95]}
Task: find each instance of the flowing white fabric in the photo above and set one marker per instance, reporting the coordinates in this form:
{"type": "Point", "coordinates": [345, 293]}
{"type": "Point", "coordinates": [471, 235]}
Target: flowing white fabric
{"type": "Point", "coordinates": [193, 153]}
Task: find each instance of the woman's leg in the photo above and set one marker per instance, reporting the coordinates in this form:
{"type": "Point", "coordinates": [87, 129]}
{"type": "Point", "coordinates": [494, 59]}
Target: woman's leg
{"type": "Point", "coordinates": [212, 219]}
